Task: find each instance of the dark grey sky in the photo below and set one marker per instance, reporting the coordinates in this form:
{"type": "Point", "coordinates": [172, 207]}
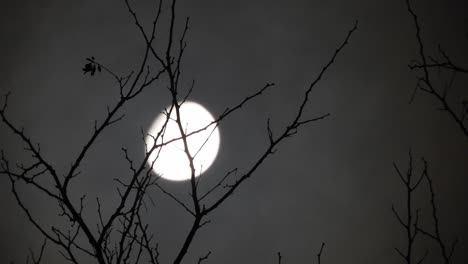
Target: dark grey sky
{"type": "Point", "coordinates": [333, 182]}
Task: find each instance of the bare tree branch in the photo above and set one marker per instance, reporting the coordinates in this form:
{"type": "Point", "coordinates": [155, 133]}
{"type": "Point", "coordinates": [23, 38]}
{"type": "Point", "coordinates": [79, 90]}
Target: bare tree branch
{"type": "Point", "coordinates": [319, 255]}
{"type": "Point", "coordinates": [122, 236]}
{"type": "Point", "coordinates": [436, 236]}
{"type": "Point", "coordinates": [428, 87]}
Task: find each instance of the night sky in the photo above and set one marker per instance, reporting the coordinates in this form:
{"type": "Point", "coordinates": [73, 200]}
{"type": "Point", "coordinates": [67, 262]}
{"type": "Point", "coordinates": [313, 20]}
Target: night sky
{"type": "Point", "coordinates": [333, 182]}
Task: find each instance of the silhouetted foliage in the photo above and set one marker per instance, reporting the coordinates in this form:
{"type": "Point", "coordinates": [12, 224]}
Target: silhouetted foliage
{"type": "Point", "coordinates": [91, 66]}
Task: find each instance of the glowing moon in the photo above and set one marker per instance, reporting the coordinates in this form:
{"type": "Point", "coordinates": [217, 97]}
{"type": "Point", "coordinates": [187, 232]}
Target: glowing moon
{"type": "Point", "coordinates": [172, 162]}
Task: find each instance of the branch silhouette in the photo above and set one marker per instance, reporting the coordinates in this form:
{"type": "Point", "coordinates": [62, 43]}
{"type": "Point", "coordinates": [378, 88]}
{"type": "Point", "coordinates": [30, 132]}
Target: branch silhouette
{"type": "Point", "coordinates": [123, 235]}
{"type": "Point", "coordinates": [425, 82]}
{"type": "Point", "coordinates": [411, 221]}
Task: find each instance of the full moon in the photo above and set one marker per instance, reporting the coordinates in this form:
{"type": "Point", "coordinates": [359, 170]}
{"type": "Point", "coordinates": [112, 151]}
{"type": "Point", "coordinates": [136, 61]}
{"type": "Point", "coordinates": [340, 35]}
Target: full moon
{"type": "Point", "coordinates": [172, 162]}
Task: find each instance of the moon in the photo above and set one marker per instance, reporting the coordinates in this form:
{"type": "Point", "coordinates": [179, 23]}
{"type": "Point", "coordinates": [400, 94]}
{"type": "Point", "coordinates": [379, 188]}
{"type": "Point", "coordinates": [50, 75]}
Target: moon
{"type": "Point", "coordinates": [172, 162]}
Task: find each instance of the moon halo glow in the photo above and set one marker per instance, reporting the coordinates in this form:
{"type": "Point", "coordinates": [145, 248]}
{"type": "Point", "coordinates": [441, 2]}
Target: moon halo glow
{"type": "Point", "coordinates": [172, 162]}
